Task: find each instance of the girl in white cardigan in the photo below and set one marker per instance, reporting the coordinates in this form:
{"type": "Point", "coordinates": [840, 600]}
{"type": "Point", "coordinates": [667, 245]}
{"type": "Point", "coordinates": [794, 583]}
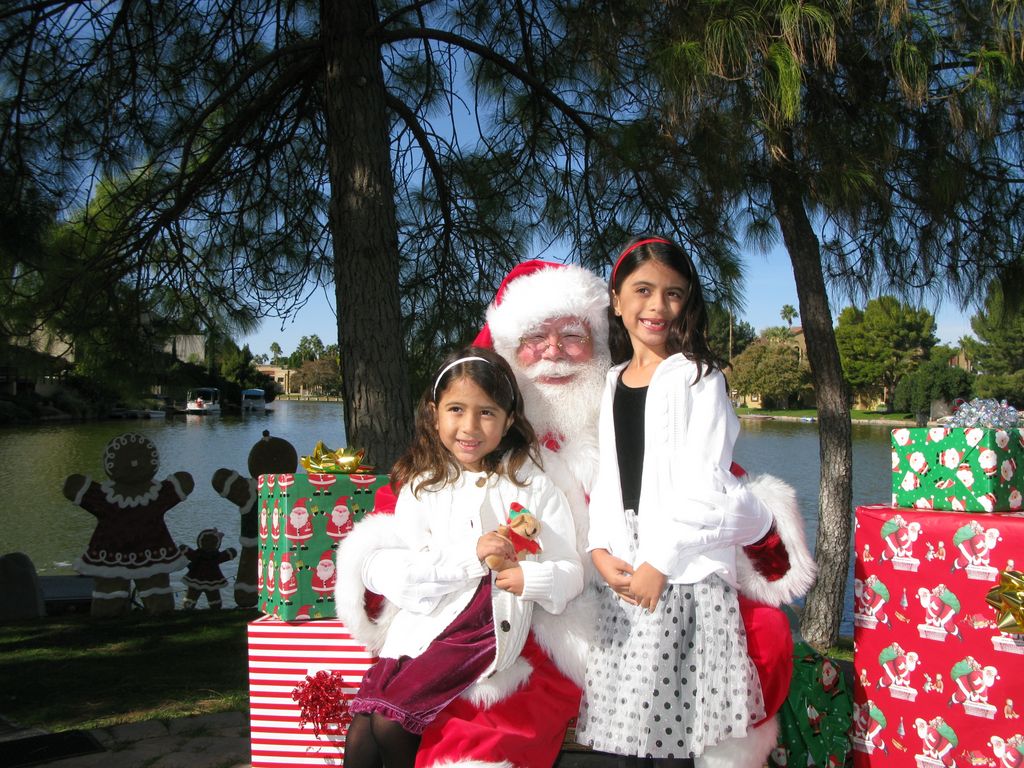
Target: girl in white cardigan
{"type": "Point", "coordinates": [452, 622]}
{"type": "Point", "coordinates": [668, 675]}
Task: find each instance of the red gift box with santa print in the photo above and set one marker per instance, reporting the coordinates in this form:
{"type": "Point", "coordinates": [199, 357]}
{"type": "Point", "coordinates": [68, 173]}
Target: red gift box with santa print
{"type": "Point", "coordinates": [302, 521]}
{"type": "Point", "coordinates": [282, 655]}
{"type": "Point", "coordinates": [963, 469]}
{"type": "Point", "coordinates": [937, 682]}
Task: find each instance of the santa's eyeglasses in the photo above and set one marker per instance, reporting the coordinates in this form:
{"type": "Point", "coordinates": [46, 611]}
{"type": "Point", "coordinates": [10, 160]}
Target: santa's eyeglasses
{"type": "Point", "coordinates": [570, 343]}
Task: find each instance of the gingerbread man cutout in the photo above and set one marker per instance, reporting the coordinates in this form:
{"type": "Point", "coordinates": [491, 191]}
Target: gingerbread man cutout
{"type": "Point", "coordinates": [131, 542]}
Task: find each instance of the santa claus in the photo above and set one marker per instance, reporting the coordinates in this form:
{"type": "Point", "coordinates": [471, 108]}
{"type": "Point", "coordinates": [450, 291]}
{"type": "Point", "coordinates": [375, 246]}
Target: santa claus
{"type": "Point", "coordinates": [550, 322]}
{"type": "Point", "coordinates": [339, 525]}
{"type": "Point", "coordinates": [324, 579]}
{"type": "Point", "coordinates": [298, 526]}
{"type": "Point", "coordinates": [287, 581]}
{"type": "Point", "coordinates": [275, 524]}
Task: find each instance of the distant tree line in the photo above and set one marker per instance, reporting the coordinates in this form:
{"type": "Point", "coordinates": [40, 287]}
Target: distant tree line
{"type": "Point", "coordinates": [316, 368]}
{"type": "Point", "coordinates": [892, 358]}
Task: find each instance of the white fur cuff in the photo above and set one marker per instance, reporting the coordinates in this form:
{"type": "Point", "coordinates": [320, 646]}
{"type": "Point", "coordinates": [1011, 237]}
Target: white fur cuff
{"type": "Point", "coordinates": [780, 498]}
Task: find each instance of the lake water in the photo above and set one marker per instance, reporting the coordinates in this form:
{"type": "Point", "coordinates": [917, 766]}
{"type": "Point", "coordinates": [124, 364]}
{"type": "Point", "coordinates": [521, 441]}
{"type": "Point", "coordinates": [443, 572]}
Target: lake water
{"type": "Point", "coordinates": [36, 519]}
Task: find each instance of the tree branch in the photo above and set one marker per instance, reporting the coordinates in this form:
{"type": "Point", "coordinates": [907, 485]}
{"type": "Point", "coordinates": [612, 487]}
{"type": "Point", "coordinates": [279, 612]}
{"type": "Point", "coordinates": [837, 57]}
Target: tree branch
{"type": "Point", "coordinates": [428, 33]}
{"type": "Point", "coordinates": [440, 177]}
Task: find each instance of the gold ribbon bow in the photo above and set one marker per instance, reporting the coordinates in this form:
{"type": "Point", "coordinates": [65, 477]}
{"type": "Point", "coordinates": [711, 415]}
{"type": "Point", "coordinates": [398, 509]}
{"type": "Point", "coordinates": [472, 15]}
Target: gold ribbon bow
{"type": "Point", "coordinates": [325, 461]}
{"type": "Point", "coordinates": [1008, 599]}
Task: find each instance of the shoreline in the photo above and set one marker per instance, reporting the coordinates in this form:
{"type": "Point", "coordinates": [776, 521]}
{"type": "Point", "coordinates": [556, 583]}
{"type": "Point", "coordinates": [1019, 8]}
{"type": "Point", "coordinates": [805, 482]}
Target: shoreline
{"type": "Point", "coordinates": [52, 415]}
{"type": "Point", "coordinates": [814, 420]}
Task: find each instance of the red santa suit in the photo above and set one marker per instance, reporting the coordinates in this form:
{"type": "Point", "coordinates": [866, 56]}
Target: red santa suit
{"type": "Point", "coordinates": [287, 582]}
{"type": "Point", "coordinates": [284, 482]}
{"type": "Point", "coordinates": [325, 577]}
{"type": "Point", "coordinates": [298, 525]}
{"type": "Point", "coordinates": [487, 731]}
{"type": "Point", "coordinates": [270, 569]}
{"type": "Point", "coordinates": [321, 483]}
{"type": "Point", "coordinates": [340, 522]}
{"type": "Point", "coordinates": [264, 521]}
{"type": "Point", "coordinates": [275, 524]}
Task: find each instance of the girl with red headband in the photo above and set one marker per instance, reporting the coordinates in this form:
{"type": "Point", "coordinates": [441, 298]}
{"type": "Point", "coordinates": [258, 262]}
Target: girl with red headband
{"type": "Point", "coordinates": [668, 675]}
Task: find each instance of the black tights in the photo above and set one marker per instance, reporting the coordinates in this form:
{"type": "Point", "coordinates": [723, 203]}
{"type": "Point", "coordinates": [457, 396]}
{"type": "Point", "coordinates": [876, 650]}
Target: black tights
{"type": "Point", "coordinates": [374, 741]}
{"type": "Point", "coordinates": [653, 762]}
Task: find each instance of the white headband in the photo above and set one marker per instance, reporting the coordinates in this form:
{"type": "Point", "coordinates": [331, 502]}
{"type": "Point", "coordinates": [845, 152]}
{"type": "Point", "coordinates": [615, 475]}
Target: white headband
{"type": "Point", "coordinates": [433, 393]}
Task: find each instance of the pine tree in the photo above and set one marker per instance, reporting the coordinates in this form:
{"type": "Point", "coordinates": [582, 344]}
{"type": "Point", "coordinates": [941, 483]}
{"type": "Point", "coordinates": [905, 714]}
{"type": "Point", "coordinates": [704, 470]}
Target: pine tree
{"type": "Point", "coordinates": [879, 140]}
{"type": "Point", "coordinates": [407, 154]}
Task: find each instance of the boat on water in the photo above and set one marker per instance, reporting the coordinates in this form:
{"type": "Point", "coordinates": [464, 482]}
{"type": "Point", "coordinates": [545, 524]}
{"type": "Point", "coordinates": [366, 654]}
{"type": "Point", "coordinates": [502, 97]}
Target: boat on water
{"type": "Point", "coordinates": [204, 401]}
{"type": "Point", "coordinates": [254, 401]}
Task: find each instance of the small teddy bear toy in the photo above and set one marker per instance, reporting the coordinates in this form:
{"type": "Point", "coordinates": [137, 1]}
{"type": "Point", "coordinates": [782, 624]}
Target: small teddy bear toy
{"type": "Point", "coordinates": [522, 531]}
{"type": "Point", "coordinates": [131, 541]}
{"type": "Point", "coordinates": [204, 576]}
{"type": "Point", "coordinates": [271, 455]}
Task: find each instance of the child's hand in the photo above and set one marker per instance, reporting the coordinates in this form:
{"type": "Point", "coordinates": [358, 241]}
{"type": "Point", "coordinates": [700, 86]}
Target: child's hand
{"type": "Point", "coordinates": [618, 573]}
{"type": "Point", "coordinates": [511, 580]}
{"type": "Point", "coordinates": [647, 585]}
{"type": "Point", "coordinates": [493, 544]}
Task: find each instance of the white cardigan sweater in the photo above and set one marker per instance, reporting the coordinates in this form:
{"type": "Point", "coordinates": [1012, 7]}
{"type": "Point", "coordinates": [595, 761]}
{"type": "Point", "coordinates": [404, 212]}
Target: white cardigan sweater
{"type": "Point", "coordinates": [431, 571]}
{"type": "Point", "coordinates": [693, 512]}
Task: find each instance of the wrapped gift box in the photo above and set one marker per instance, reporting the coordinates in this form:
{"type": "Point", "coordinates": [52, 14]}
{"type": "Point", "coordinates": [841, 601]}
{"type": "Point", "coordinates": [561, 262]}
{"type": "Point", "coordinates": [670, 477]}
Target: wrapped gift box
{"type": "Point", "coordinates": [281, 656]}
{"type": "Point", "coordinates": [302, 520]}
{"type": "Point", "coordinates": [937, 683]}
{"type": "Point", "coordinates": [966, 469]}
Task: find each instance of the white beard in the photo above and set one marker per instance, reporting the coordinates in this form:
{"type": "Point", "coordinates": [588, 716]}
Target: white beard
{"type": "Point", "coordinates": [569, 409]}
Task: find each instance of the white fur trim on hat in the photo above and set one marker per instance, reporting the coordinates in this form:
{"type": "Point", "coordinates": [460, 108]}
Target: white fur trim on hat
{"type": "Point", "coordinates": [553, 291]}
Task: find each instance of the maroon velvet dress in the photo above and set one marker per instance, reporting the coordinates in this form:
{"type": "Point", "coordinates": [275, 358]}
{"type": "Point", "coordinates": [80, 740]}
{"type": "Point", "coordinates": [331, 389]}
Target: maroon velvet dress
{"type": "Point", "coordinates": [412, 691]}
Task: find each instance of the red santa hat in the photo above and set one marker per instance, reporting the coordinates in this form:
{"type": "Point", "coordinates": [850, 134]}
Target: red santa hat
{"type": "Point", "coordinates": [535, 291]}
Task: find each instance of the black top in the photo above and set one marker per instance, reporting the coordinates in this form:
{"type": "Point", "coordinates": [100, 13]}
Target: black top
{"type": "Point", "coordinates": [628, 405]}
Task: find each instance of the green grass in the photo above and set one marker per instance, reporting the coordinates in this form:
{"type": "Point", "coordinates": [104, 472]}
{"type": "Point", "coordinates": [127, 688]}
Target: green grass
{"type": "Point", "coordinates": [881, 415]}
{"type": "Point", "coordinates": [795, 413]}
{"type": "Point", "coordinates": [70, 672]}
{"type": "Point", "coordinates": [842, 650]}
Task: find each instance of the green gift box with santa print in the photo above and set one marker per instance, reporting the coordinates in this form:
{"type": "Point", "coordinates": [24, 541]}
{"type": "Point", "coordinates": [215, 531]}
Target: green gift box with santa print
{"type": "Point", "coordinates": [964, 469]}
{"type": "Point", "coordinates": [303, 518]}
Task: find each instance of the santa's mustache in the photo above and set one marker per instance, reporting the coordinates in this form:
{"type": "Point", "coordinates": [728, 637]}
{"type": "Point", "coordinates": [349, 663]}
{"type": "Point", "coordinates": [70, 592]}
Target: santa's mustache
{"type": "Point", "coordinates": [552, 369]}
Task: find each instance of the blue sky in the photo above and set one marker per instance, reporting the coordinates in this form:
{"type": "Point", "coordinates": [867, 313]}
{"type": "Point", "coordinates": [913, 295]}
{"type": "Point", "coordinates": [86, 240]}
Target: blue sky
{"type": "Point", "coordinates": [769, 285]}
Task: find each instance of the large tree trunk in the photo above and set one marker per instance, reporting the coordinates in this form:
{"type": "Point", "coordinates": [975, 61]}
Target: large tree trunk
{"type": "Point", "coordinates": [378, 411]}
{"type": "Point", "coordinates": [824, 606]}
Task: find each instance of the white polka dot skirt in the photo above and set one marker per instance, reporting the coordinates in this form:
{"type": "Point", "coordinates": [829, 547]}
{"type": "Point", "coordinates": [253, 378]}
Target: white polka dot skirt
{"type": "Point", "coordinates": [671, 683]}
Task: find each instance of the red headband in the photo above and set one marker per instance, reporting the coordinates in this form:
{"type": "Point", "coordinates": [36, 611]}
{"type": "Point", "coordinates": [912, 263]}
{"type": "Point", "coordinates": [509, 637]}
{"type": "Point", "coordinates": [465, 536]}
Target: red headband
{"type": "Point", "coordinates": [632, 248]}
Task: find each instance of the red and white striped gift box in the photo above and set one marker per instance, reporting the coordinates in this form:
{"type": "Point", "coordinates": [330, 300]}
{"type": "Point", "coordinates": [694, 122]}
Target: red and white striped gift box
{"type": "Point", "coordinates": [281, 655]}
